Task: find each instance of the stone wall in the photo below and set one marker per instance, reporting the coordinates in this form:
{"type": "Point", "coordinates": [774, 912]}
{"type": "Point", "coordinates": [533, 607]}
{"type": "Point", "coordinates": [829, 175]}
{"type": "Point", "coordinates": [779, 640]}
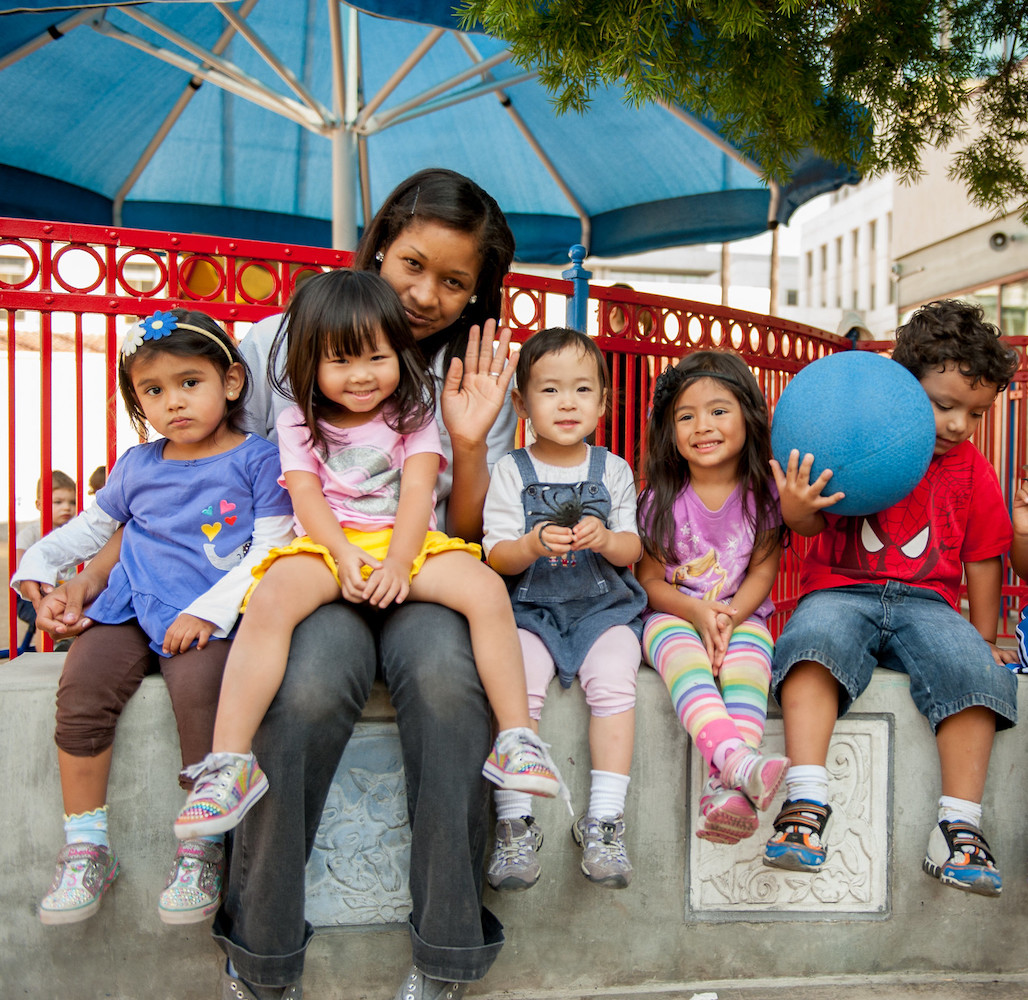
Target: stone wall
{"type": "Point", "coordinates": [694, 910]}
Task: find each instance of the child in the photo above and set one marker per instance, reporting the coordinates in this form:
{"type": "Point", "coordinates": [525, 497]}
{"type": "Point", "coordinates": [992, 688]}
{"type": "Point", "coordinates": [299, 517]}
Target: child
{"type": "Point", "coordinates": [1019, 564]}
{"type": "Point", "coordinates": [360, 455]}
{"type": "Point", "coordinates": [712, 531]}
{"type": "Point", "coordinates": [63, 504]}
{"type": "Point", "coordinates": [201, 506]}
{"type": "Point", "coordinates": [883, 590]}
{"type": "Point", "coordinates": [560, 522]}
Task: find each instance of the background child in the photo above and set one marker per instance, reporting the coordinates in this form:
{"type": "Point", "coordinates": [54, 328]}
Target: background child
{"type": "Point", "coordinates": [63, 504]}
{"type": "Point", "coordinates": [200, 506]}
{"type": "Point", "coordinates": [560, 522]}
{"type": "Point", "coordinates": [712, 531]}
{"type": "Point", "coordinates": [360, 455]}
{"type": "Point", "coordinates": [883, 590]}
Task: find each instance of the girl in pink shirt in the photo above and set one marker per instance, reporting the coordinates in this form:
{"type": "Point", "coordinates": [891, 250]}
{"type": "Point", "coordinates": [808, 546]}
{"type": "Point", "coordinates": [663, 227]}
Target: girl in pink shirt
{"type": "Point", "coordinates": [360, 455]}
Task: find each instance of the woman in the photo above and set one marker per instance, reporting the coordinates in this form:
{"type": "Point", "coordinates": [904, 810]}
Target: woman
{"type": "Point", "coordinates": [442, 243]}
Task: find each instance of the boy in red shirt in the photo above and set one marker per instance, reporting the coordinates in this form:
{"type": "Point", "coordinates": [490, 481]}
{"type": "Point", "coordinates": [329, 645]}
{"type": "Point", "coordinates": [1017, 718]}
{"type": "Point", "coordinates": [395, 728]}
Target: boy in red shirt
{"type": "Point", "coordinates": [882, 590]}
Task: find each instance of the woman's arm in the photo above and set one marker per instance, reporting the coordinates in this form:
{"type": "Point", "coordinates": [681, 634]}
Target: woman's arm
{"type": "Point", "coordinates": [472, 396]}
{"type": "Point", "coordinates": [391, 581]}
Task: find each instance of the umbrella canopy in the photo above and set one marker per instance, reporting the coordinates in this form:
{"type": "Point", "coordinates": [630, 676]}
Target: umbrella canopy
{"type": "Point", "coordinates": [267, 119]}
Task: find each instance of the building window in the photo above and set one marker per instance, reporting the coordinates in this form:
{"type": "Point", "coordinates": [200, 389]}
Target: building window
{"type": "Point", "coordinates": [792, 297]}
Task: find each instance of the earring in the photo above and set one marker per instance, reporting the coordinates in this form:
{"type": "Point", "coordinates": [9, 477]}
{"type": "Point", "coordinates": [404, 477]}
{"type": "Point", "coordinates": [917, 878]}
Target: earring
{"type": "Point", "coordinates": [380, 256]}
{"type": "Point", "coordinates": [472, 300]}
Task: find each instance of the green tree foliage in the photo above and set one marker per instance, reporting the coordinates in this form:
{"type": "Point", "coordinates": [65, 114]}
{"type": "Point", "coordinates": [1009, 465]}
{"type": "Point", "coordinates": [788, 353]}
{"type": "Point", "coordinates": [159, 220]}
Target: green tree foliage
{"type": "Point", "coordinates": [868, 84]}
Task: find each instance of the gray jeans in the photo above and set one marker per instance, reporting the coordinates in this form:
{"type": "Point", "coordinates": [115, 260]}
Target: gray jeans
{"type": "Point", "coordinates": [424, 654]}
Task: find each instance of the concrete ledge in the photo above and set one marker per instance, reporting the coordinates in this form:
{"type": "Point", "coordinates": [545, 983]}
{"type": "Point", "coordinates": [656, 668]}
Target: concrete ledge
{"type": "Point", "coordinates": [694, 911]}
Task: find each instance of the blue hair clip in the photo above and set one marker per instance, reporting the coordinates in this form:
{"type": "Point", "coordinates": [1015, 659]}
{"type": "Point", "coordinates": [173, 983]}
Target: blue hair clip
{"type": "Point", "coordinates": [159, 325]}
{"type": "Point", "coordinates": [164, 324]}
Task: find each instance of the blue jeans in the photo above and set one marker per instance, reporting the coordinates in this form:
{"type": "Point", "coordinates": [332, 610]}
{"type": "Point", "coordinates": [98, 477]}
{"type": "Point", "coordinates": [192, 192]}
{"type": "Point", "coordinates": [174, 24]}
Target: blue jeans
{"type": "Point", "coordinates": [424, 654]}
{"type": "Point", "coordinates": [851, 630]}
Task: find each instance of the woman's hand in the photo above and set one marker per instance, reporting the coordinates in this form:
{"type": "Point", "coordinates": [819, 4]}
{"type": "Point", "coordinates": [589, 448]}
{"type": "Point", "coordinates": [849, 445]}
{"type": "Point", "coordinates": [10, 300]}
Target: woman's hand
{"type": "Point", "coordinates": [184, 631]}
{"type": "Point", "coordinates": [388, 584]}
{"type": "Point", "coordinates": [474, 389]}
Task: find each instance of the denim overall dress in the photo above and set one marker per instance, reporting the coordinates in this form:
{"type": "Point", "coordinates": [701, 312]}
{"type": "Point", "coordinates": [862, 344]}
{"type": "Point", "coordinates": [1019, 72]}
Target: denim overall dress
{"type": "Point", "coordinates": [569, 606]}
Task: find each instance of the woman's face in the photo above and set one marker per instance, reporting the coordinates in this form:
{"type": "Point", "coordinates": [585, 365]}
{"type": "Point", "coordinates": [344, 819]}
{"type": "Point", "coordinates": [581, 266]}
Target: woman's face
{"type": "Point", "coordinates": [434, 269]}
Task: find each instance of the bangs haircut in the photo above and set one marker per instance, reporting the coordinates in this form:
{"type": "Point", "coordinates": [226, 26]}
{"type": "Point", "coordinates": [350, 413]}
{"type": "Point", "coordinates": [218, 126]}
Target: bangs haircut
{"type": "Point", "coordinates": [953, 332]}
{"type": "Point", "coordinates": [340, 314]}
{"type": "Point", "coordinates": [186, 344]}
{"type": "Point", "coordinates": [552, 341]}
{"type": "Point", "coordinates": [666, 473]}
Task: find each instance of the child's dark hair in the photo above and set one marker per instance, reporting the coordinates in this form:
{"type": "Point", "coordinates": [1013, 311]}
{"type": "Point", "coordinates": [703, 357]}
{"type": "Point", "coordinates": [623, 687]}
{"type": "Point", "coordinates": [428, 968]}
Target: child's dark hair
{"type": "Point", "coordinates": [954, 332]}
{"type": "Point", "coordinates": [553, 340]}
{"type": "Point", "coordinates": [456, 202]}
{"type": "Point", "coordinates": [215, 346]}
{"type": "Point", "coordinates": [341, 313]}
{"type": "Point", "coordinates": [666, 472]}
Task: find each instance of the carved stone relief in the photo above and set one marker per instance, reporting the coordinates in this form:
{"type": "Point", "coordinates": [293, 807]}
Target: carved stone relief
{"type": "Point", "coordinates": [731, 880]}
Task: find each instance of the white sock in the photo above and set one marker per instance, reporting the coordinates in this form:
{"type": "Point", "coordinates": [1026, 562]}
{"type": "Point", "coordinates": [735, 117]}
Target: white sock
{"type": "Point", "coordinates": [956, 810]}
{"type": "Point", "coordinates": [607, 794]}
{"type": "Point", "coordinates": [512, 805]}
{"type": "Point", "coordinates": [87, 828]}
{"type": "Point", "coordinates": [807, 781]}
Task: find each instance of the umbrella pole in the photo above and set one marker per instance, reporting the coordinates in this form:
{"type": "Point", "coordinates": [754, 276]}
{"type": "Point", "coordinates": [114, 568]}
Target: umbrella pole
{"type": "Point", "coordinates": [344, 141]}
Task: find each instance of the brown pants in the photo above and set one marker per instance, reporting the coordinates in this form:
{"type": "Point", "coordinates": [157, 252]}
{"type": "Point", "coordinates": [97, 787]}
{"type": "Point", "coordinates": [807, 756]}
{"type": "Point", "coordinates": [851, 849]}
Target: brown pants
{"type": "Point", "coordinates": [105, 667]}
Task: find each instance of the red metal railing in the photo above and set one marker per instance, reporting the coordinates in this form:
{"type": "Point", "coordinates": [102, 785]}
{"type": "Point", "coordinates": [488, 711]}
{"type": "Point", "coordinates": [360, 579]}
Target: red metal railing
{"type": "Point", "coordinates": [65, 289]}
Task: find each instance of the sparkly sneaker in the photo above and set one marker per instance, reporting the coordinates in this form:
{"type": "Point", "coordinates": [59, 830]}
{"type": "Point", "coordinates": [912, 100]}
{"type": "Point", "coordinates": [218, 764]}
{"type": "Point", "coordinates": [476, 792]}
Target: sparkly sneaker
{"type": "Point", "coordinates": [799, 839]}
{"type": "Point", "coordinates": [764, 777]}
{"type": "Point", "coordinates": [959, 856]}
{"type": "Point", "coordinates": [514, 866]}
{"type": "Point", "coordinates": [520, 761]}
{"type": "Point", "coordinates": [726, 815]}
{"type": "Point", "coordinates": [84, 873]}
{"type": "Point", "coordinates": [227, 785]}
{"type": "Point", "coordinates": [604, 858]}
{"type": "Point", "coordinates": [193, 890]}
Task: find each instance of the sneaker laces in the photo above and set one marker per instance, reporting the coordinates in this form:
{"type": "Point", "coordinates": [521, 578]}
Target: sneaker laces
{"type": "Point", "coordinates": [211, 775]}
{"type": "Point", "coordinates": [513, 741]}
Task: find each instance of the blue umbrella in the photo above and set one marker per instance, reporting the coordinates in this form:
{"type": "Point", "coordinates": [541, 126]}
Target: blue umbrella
{"type": "Point", "coordinates": [291, 120]}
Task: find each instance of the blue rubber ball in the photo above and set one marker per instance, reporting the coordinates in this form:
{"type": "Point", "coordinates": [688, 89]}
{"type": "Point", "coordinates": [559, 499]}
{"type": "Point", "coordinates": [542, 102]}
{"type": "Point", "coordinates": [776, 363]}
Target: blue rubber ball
{"type": "Point", "coordinates": [867, 419]}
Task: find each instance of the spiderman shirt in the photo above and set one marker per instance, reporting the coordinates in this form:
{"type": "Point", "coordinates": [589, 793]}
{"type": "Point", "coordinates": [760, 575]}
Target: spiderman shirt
{"type": "Point", "coordinates": [955, 515]}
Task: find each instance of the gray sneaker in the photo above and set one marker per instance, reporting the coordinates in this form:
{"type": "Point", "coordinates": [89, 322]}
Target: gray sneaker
{"type": "Point", "coordinates": [514, 866]}
{"type": "Point", "coordinates": [604, 858]}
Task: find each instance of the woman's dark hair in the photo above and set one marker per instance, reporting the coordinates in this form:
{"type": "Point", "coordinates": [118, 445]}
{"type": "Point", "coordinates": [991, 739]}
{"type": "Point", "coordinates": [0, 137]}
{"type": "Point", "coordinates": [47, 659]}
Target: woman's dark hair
{"type": "Point", "coordinates": [454, 201]}
{"type": "Point", "coordinates": [553, 340]}
{"type": "Point", "coordinates": [342, 313]}
{"type": "Point", "coordinates": [950, 331]}
{"type": "Point", "coordinates": [186, 344]}
{"type": "Point", "coordinates": [667, 473]}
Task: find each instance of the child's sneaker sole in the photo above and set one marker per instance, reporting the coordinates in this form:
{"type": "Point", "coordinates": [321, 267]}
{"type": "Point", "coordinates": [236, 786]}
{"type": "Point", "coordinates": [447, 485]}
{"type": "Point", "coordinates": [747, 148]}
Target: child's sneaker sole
{"type": "Point", "coordinates": [729, 818]}
{"type": "Point", "coordinates": [798, 841]}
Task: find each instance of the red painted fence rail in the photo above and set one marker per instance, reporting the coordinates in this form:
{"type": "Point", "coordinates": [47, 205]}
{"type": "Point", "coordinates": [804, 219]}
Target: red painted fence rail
{"type": "Point", "coordinates": [68, 293]}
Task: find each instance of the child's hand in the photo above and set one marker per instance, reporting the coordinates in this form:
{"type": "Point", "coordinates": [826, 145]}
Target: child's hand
{"type": "Point", "coordinates": [184, 631]}
{"type": "Point", "coordinates": [33, 591]}
{"type": "Point", "coordinates": [590, 533]}
{"type": "Point", "coordinates": [705, 619]}
{"type": "Point", "coordinates": [725, 622]}
{"type": "Point", "coordinates": [547, 539]}
{"type": "Point", "coordinates": [1002, 655]}
{"type": "Point", "coordinates": [350, 563]}
{"type": "Point", "coordinates": [1019, 509]}
{"type": "Point", "coordinates": [60, 611]}
{"type": "Point", "coordinates": [389, 583]}
{"type": "Point", "coordinates": [800, 498]}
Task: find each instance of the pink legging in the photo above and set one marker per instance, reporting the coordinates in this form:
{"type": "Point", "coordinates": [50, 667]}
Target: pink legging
{"type": "Point", "coordinates": [607, 674]}
{"type": "Point", "coordinates": [732, 706]}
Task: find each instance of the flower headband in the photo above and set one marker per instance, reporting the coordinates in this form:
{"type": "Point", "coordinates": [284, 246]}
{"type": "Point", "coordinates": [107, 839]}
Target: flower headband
{"type": "Point", "coordinates": [671, 380]}
{"type": "Point", "coordinates": [163, 324]}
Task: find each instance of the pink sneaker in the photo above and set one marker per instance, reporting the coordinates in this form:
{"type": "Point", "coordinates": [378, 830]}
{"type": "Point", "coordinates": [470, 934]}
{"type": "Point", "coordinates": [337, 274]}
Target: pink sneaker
{"type": "Point", "coordinates": [726, 815]}
{"type": "Point", "coordinates": [762, 778]}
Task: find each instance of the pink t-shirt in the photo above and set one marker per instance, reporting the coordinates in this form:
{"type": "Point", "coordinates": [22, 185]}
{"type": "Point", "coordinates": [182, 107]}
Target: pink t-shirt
{"type": "Point", "coordinates": [361, 475]}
